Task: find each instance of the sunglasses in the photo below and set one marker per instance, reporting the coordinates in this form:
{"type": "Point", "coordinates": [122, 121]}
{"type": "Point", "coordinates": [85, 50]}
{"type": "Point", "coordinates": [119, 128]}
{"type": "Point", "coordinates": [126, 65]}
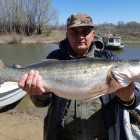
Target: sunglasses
{"type": "Point", "coordinates": [76, 32]}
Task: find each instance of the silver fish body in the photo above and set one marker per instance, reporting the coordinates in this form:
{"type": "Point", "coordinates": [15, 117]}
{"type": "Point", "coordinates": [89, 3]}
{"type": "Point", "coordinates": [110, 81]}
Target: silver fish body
{"type": "Point", "coordinates": [85, 78]}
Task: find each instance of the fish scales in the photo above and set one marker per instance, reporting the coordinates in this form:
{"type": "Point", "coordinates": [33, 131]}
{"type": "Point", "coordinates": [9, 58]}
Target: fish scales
{"type": "Point", "coordinates": [85, 78]}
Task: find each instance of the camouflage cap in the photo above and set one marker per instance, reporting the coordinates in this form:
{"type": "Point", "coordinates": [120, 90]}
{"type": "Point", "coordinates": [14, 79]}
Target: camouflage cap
{"type": "Point", "coordinates": [79, 19]}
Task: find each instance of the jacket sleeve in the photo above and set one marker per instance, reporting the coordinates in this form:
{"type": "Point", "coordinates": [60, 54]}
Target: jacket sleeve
{"type": "Point", "coordinates": [41, 100]}
{"type": "Point", "coordinates": [135, 102]}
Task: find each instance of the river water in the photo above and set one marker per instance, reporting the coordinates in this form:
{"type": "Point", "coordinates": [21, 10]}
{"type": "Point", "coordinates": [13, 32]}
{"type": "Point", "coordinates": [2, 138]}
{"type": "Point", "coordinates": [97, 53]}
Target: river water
{"type": "Point", "coordinates": [129, 52]}
{"type": "Point", "coordinates": [26, 54]}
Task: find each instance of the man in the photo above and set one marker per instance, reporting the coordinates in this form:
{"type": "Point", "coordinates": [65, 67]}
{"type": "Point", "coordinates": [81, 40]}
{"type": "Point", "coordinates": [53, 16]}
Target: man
{"type": "Point", "coordinates": [75, 119]}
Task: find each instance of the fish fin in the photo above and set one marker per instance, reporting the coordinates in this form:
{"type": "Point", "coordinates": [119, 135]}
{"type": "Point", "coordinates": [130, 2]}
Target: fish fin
{"type": "Point", "coordinates": [40, 63]}
{"type": "Point", "coordinates": [93, 98]}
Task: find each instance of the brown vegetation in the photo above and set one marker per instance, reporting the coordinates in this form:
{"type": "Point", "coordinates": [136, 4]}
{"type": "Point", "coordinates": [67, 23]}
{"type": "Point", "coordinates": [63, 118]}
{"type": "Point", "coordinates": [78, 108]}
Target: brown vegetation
{"type": "Point", "coordinates": [14, 38]}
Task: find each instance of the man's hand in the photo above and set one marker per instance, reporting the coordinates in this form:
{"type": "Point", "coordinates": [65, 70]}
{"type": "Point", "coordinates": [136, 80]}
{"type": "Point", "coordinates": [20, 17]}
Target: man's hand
{"type": "Point", "coordinates": [32, 83]}
{"type": "Point", "coordinates": [125, 77]}
{"type": "Point", "coordinates": [126, 94]}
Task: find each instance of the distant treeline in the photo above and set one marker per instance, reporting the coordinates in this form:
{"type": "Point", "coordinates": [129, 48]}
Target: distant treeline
{"type": "Point", "coordinates": [26, 16]}
{"type": "Point", "coordinates": [132, 28]}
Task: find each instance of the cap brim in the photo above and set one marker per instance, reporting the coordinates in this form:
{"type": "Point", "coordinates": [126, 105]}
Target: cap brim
{"type": "Point", "coordinates": [80, 25]}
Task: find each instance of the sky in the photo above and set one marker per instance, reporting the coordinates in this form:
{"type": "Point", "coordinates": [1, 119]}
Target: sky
{"type": "Point", "coordinates": [101, 11]}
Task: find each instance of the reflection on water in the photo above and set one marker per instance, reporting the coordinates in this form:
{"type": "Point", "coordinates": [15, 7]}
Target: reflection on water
{"type": "Point", "coordinates": [24, 54]}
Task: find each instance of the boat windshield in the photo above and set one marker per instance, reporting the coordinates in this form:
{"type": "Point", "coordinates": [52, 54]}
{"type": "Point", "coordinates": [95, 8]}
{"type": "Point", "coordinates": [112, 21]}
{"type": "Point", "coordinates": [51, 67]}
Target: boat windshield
{"type": "Point", "coordinates": [111, 40]}
{"type": "Point", "coordinates": [117, 40]}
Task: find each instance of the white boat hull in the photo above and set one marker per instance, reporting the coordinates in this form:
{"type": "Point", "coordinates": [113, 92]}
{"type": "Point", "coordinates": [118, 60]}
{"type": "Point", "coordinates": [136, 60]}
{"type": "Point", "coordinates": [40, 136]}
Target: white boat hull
{"type": "Point", "coordinates": [10, 93]}
{"type": "Point", "coordinates": [112, 42]}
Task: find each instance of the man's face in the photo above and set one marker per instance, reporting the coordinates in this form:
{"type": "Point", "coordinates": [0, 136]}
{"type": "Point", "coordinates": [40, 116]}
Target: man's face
{"type": "Point", "coordinates": [80, 39]}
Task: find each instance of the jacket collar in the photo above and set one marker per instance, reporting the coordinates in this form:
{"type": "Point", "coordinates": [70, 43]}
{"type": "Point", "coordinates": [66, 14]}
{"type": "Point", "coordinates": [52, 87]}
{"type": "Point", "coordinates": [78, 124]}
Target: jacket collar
{"type": "Point", "coordinates": [67, 50]}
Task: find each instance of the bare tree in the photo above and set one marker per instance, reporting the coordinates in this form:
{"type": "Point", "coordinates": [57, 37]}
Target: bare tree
{"type": "Point", "coordinates": [39, 13]}
{"type": "Point", "coordinates": [25, 15]}
{"type": "Point", "coordinates": [45, 14]}
{"type": "Point", "coordinates": [30, 10]}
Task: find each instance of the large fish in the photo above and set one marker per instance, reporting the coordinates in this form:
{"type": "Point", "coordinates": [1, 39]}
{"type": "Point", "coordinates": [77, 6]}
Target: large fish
{"type": "Point", "coordinates": [85, 78]}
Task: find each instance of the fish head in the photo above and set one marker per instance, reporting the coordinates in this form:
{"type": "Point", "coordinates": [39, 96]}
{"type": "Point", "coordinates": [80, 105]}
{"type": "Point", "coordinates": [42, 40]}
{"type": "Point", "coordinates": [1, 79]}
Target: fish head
{"type": "Point", "coordinates": [126, 72]}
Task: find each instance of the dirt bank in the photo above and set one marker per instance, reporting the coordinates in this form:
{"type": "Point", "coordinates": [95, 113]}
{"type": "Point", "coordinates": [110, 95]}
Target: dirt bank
{"type": "Point", "coordinates": [22, 122]}
{"type": "Point", "coordinates": [13, 38]}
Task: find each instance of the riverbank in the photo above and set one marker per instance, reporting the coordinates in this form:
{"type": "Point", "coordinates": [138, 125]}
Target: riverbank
{"type": "Point", "coordinates": [23, 121]}
{"type": "Point", "coordinates": [20, 126]}
{"type": "Point", "coordinates": [130, 39]}
{"type": "Point", "coordinates": [54, 37]}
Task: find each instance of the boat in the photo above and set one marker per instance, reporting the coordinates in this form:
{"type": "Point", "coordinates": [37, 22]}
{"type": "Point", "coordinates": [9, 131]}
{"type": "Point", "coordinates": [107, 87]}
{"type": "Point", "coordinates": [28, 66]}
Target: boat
{"type": "Point", "coordinates": [10, 93]}
{"type": "Point", "coordinates": [112, 42]}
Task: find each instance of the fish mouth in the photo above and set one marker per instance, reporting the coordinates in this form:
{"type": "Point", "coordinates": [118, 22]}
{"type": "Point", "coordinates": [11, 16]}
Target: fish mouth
{"type": "Point", "coordinates": [111, 80]}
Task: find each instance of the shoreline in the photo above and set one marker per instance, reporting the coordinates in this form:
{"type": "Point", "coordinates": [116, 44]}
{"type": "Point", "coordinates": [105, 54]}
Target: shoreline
{"type": "Point", "coordinates": [31, 42]}
{"type": "Point", "coordinates": [20, 126]}
{"type": "Point", "coordinates": [22, 121]}
{"type": "Point", "coordinates": [43, 39]}
{"type": "Point", "coordinates": [13, 38]}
